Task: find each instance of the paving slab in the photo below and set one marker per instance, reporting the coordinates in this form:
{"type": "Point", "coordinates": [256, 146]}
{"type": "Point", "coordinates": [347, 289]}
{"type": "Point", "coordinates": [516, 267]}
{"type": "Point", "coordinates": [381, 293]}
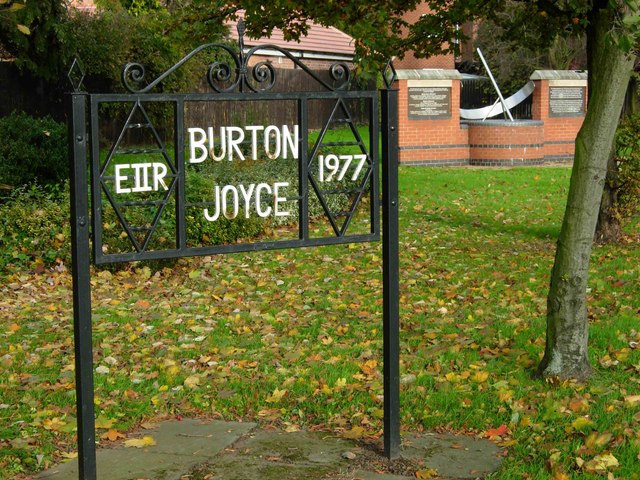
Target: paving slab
{"type": "Point", "coordinates": [180, 445]}
{"type": "Point", "coordinates": [453, 456]}
{"type": "Point", "coordinates": [277, 455]}
{"type": "Point", "coordinates": [196, 450]}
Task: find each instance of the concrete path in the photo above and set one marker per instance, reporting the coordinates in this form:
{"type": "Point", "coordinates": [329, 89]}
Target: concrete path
{"type": "Point", "coordinates": [195, 450]}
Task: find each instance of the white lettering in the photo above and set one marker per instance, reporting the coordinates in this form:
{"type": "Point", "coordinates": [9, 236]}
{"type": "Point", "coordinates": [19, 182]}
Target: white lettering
{"type": "Point", "coordinates": [254, 139]}
{"type": "Point", "coordinates": [214, 217]}
{"type": "Point", "coordinates": [277, 199]}
{"type": "Point", "coordinates": [266, 199]}
{"type": "Point", "coordinates": [275, 142]}
{"type": "Point", "coordinates": [159, 172]}
{"type": "Point", "coordinates": [141, 177]}
{"type": "Point", "coordinates": [197, 144]}
{"type": "Point", "coordinates": [225, 191]}
{"type": "Point", "coordinates": [267, 142]}
{"type": "Point", "coordinates": [234, 143]}
{"type": "Point", "coordinates": [246, 195]}
{"type": "Point", "coordinates": [141, 173]}
{"type": "Point", "coordinates": [291, 140]}
{"type": "Point", "coordinates": [223, 145]}
{"type": "Point", "coordinates": [120, 178]}
{"type": "Point", "coordinates": [262, 213]}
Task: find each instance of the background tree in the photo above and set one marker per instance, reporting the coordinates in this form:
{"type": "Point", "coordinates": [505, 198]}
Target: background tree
{"type": "Point", "coordinates": [512, 60]}
{"type": "Point", "coordinates": [29, 34]}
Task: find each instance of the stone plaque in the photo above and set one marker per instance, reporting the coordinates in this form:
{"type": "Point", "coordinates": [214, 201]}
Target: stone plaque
{"type": "Point", "coordinates": [429, 103]}
{"type": "Point", "coordinates": [566, 101]}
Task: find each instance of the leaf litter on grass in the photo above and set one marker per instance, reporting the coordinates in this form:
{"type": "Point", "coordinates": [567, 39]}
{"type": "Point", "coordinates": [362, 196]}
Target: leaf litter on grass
{"type": "Point", "coordinates": [293, 338]}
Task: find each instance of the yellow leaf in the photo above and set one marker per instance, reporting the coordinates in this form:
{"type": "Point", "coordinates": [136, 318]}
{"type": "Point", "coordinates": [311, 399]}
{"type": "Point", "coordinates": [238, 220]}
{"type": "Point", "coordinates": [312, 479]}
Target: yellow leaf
{"type": "Point", "coordinates": [54, 424]}
{"type": "Point", "coordinates": [192, 381]}
{"type": "Point", "coordinates": [427, 473]}
{"type": "Point", "coordinates": [480, 376]}
{"type": "Point", "coordinates": [340, 383]}
{"type": "Point", "coordinates": [355, 432]}
{"type": "Point", "coordinates": [632, 400]}
{"type": "Point", "coordinates": [104, 422]}
{"type": "Point", "coordinates": [276, 396]}
{"type": "Point", "coordinates": [112, 435]}
{"type": "Point", "coordinates": [581, 423]}
{"type": "Point", "coordinates": [146, 441]}
{"type": "Point", "coordinates": [601, 463]}
{"type": "Point", "coordinates": [452, 377]}
{"type": "Point", "coordinates": [597, 440]}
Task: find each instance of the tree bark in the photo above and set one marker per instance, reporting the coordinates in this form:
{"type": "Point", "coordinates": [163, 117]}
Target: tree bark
{"type": "Point", "coordinates": [566, 351]}
{"type": "Point", "coordinates": [608, 228]}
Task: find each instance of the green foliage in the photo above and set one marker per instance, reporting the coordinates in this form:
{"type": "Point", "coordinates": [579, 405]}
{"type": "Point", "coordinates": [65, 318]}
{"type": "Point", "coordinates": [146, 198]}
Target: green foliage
{"type": "Point", "coordinates": [628, 162]}
{"type": "Point", "coordinates": [34, 228]}
{"type": "Point", "coordinates": [147, 39]}
{"type": "Point", "coordinates": [35, 43]}
{"type": "Point", "coordinates": [141, 7]}
{"type": "Point", "coordinates": [513, 56]}
{"type": "Point", "coordinates": [36, 152]}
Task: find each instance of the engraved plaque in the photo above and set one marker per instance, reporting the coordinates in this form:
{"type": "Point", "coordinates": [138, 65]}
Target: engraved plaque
{"type": "Point", "coordinates": [566, 101]}
{"type": "Point", "coordinates": [429, 103]}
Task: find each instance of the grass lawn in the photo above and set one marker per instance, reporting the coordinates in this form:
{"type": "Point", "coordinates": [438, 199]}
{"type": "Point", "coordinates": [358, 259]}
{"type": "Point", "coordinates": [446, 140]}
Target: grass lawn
{"type": "Point", "coordinates": [293, 338]}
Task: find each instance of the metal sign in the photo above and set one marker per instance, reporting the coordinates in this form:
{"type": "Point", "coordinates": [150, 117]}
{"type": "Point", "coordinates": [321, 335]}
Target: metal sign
{"type": "Point", "coordinates": [429, 103]}
{"type": "Point", "coordinates": [165, 180]}
{"type": "Point", "coordinates": [204, 173]}
{"type": "Point", "coordinates": [567, 101]}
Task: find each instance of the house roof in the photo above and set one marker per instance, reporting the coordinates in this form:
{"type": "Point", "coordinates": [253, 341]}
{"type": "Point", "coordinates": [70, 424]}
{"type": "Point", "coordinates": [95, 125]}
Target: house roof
{"type": "Point", "coordinates": [319, 40]}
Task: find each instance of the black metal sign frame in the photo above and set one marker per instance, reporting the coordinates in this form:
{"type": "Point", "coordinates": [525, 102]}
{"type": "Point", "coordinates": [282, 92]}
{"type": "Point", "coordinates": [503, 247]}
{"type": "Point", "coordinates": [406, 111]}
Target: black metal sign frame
{"type": "Point", "coordinates": [86, 224]}
{"type": "Point", "coordinates": [102, 180]}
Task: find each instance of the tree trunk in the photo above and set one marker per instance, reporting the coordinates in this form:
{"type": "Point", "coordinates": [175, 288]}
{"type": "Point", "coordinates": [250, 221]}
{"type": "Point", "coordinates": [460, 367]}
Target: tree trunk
{"type": "Point", "coordinates": [608, 228]}
{"type": "Point", "coordinates": [566, 354]}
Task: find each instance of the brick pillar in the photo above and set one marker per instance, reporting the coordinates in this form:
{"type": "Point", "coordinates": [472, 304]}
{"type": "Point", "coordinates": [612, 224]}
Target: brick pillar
{"type": "Point", "coordinates": [560, 101]}
{"type": "Point", "coordinates": [429, 118]}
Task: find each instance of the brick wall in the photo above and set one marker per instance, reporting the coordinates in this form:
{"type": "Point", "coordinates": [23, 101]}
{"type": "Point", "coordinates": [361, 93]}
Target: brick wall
{"type": "Point", "coordinates": [560, 131]}
{"type": "Point", "coordinates": [503, 142]}
{"type": "Point", "coordinates": [432, 139]}
{"type": "Point", "coordinates": [439, 141]}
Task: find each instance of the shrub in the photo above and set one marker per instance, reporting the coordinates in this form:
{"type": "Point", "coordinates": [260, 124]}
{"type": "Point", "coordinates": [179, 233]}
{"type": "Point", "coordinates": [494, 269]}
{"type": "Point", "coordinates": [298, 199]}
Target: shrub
{"type": "Point", "coordinates": [627, 151]}
{"type": "Point", "coordinates": [34, 228]}
{"type": "Point", "coordinates": [36, 152]}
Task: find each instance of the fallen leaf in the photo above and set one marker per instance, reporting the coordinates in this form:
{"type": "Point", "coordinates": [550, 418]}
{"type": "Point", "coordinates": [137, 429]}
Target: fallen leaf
{"type": "Point", "coordinates": [146, 441]}
{"type": "Point", "coordinates": [427, 473]}
{"type": "Point", "coordinates": [276, 396]}
{"type": "Point", "coordinates": [192, 381]}
{"type": "Point", "coordinates": [632, 400]}
{"type": "Point", "coordinates": [354, 433]}
{"type": "Point", "coordinates": [597, 440]}
{"type": "Point", "coordinates": [499, 432]}
{"type": "Point", "coordinates": [581, 423]}
{"type": "Point", "coordinates": [601, 464]}
{"type": "Point", "coordinates": [112, 435]}
{"type": "Point", "coordinates": [104, 422]}
{"type": "Point", "coordinates": [480, 376]}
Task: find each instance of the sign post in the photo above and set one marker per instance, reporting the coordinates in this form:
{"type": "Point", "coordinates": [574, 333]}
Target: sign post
{"type": "Point", "coordinates": [146, 194]}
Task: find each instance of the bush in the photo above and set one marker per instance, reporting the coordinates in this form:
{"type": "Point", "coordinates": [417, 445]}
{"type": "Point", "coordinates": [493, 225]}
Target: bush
{"type": "Point", "coordinates": [628, 163]}
{"type": "Point", "coordinates": [34, 228]}
{"type": "Point", "coordinates": [35, 153]}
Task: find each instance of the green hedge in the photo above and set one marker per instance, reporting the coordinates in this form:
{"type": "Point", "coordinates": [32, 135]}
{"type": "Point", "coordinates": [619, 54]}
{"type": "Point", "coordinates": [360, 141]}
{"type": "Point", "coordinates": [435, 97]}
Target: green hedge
{"type": "Point", "coordinates": [35, 151]}
{"type": "Point", "coordinates": [34, 228]}
{"type": "Point", "coordinates": [628, 162]}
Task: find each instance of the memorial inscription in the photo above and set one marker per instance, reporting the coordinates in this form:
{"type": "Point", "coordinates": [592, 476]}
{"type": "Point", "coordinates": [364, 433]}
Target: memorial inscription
{"type": "Point", "coordinates": [566, 101]}
{"type": "Point", "coordinates": [429, 103]}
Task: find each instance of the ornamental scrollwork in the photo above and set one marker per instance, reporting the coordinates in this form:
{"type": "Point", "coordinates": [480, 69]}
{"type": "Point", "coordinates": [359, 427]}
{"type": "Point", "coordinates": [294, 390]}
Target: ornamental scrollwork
{"type": "Point", "coordinates": [236, 72]}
